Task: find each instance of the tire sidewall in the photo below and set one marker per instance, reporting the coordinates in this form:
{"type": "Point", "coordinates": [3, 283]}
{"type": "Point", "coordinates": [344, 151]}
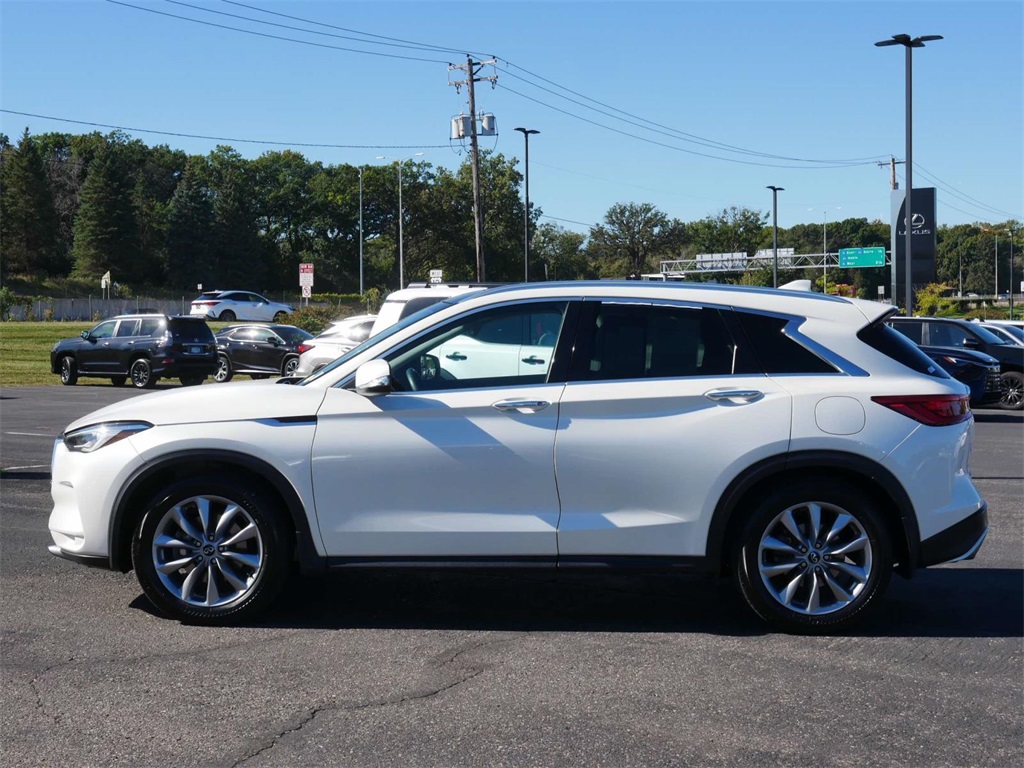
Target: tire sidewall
{"type": "Point", "coordinates": [149, 380]}
{"type": "Point", "coordinates": [223, 362]}
{"type": "Point", "coordinates": [842, 495]}
{"type": "Point", "coordinates": [292, 362]}
{"type": "Point", "coordinates": [68, 371]}
{"type": "Point", "coordinates": [1015, 379]}
{"type": "Point", "coordinates": [276, 550]}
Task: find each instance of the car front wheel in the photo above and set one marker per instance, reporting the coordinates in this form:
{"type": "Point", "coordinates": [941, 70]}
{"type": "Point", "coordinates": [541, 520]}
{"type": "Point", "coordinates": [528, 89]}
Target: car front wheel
{"type": "Point", "coordinates": [68, 371]}
{"type": "Point", "coordinates": [211, 549]}
{"type": "Point", "coordinates": [1013, 391]}
{"type": "Point", "coordinates": [814, 557]}
{"type": "Point", "coordinates": [141, 374]}
{"type": "Point", "coordinates": [279, 316]}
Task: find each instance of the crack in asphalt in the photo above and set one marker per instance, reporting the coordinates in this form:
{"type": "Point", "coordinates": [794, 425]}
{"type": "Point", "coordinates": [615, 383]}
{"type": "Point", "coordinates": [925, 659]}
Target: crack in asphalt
{"type": "Point", "coordinates": [446, 659]}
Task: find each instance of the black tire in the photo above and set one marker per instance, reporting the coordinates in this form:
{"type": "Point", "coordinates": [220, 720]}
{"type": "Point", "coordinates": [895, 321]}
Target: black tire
{"type": "Point", "coordinates": [223, 373]}
{"type": "Point", "coordinates": [191, 381]}
{"type": "Point", "coordinates": [832, 576]}
{"type": "Point", "coordinates": [280, 316]}
{"type": "Point", "coordinates": [290, 364]}
{"type": "Point", "coordinates": [227, 316]}
{"type": "Point", "coordinates": [141, 373]}
{"type": "Point", "coordinates": [246, 575]}
{"type": "Point", "coordinates": [118, 381]}
{"type": "Point", "coordinates": [1013, 391]}
{"type": "Point", "coordinates": [68, 371]}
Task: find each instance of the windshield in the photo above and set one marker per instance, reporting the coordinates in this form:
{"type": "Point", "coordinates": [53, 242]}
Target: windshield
{"type": "Point", "coordinates": [987, 336]}
{"type": "Point", "coordinates": [381, 336]}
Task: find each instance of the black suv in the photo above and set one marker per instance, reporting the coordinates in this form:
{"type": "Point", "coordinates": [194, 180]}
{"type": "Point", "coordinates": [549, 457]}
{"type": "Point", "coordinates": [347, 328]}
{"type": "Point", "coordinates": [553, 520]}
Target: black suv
{"type": "Point", "coordinates": [961, 334]}
{"type": "Point", "coordinates": [258, 350]}
{"type": "Point", "coordinates": [144, 348]}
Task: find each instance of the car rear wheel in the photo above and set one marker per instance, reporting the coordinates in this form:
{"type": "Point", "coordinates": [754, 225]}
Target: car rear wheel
{"type": "Point", "coordinates": [1013, 391]}
{"type": "Point", "coordinates": [68, 371]}
{"type": "Point", "coordinates": [227, 316]}
{"type": "Point", "coordinates": [141, 374]}
{"type": "Point", "coordinates": [223, 372]}
{"type": "Point", "coordinates": [118, 381]}
{"type": "Point", "coordinates": [814, 557]}
{"type": "Point", "coordinates": [279, 316]}
{"type": "Point", "coordinates": [290, 364]}
{"type": "Point", "coordinates": [191, 381]}
{"type": "Point", "coordinates": [210, 549]}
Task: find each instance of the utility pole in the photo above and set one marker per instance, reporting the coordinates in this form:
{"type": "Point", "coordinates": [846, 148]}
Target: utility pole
{"type": "Point", "coordinates": [893, 162]}
{"type": "Point", "coordinates": [472, 68]}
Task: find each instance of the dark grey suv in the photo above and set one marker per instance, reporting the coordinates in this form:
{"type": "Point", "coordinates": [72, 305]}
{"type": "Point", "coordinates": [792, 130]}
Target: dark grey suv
{"type": "Point", "coordinates": [143, 348]}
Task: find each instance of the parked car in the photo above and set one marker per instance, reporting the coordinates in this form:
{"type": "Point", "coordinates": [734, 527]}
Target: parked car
{"type": "Point", "coordinates": [141, 347]}
{"type": "Point", "coordinates": [230, 306]}
{"type": "Point", "coordinates": [1009, 334]}
{"type": "Point", "coordinates": [258, 350]}
{"type": "Point", "coordinates": [962, 334]}
{"type": "Point", "coordinates": [341, 336]}
{"type": "Point", "coordinates": [980, 372]}
{"type": "Point", "coordinates": [791, 441]}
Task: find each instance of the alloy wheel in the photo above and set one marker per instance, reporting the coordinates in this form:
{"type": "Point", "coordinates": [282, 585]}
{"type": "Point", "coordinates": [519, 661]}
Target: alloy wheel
{"type": "Point", "coordinates": [814, 558]}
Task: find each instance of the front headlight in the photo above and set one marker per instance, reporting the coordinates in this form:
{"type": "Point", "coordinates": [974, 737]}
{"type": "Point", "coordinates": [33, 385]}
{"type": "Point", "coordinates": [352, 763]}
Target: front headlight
{"type": "Point", "coordinates": [95, 436]}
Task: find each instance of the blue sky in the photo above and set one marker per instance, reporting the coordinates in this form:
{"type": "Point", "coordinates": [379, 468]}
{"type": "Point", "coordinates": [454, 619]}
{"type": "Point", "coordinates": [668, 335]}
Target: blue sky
{"type": "Point", "coordinates": [764, 87]}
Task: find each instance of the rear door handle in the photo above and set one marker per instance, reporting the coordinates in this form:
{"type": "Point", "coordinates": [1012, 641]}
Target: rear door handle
{"type": "Point", "coordinates": [533, 360]}
{"type": "Point", "coordinates": [456, 356]}
{"type": "Point", "coordinates": [739, 396]}
{"type": "Point", "coordinates": [522, 406]}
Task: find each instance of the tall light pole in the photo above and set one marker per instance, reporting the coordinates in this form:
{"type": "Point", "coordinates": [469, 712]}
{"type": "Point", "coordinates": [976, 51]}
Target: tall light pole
{"type": "Point", "coordinates": [526, 211]}
{"type": "Point", "coordinates": [360, 231]}
{"type": "Point", "coordinates": [995, 271]}
{"type": "Point", "coordinates": [909, 43]}
{"type": "Point", "coordinates": [824, 247]}
{"type": "Point", "coordinates": [1011, 231]}
{"type": "Point", "coordinates": [775, 233]}
{"type": "Point", "coordinates": [401, 215]}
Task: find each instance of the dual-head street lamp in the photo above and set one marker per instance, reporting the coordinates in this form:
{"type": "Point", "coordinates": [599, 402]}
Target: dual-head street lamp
{"type": "Point", "coordinates": [527, 132]}
{"type": "Point", "coordinates": [401, 215]}
{"type": "Point", "coordinates": [775, 233]}
{"type": "Point", "coordinates": [909, 43]}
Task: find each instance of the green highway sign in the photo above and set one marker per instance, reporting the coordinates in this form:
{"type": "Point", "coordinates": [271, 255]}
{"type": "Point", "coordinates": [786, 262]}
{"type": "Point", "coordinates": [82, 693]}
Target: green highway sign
{"type": "Point", "coordinates": [861, 257]}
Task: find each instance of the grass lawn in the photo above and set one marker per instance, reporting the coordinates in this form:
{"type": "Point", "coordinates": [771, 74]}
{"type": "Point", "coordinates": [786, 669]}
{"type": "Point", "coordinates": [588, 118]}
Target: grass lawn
{"type": "Point", "coordinates": [25, 352]}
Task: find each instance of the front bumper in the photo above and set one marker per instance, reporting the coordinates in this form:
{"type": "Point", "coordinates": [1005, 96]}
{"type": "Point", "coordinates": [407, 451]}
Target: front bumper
{"type": "Point", "coordinates": [958, 542]}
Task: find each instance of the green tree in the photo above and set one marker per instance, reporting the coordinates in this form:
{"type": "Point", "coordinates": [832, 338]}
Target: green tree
{"type": "Point", "coordinates": [561, 255]}
{"type": "Point", "coordinates": [189, 238]}
{"type": "Point", "coordinates": [107, 226]}
{"type": "Point", "coordinates": [28, 218]}
{"type": "Point", "coordinates": [630, 235]}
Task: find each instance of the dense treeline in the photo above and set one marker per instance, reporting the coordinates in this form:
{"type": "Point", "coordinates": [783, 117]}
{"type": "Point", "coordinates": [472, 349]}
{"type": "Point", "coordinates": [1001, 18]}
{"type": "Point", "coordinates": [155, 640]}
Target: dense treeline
{"type": "Point", "coordinates": [78, 206]}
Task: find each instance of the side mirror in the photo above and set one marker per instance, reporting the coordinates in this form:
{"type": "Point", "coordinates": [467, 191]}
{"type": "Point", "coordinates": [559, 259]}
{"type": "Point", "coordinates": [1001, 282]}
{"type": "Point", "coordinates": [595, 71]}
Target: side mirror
{"type": "Point", "coordinates": [970, 343]}
{"type": "Point", "coordinates": [373, 378]}
{"type": "Point", "coordinates": [85, 334]}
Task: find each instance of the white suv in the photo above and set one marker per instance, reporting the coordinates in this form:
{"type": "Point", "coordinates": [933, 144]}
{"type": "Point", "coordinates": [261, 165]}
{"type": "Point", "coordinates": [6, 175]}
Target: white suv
{"type": "Point", "coordinates": [792, 441]}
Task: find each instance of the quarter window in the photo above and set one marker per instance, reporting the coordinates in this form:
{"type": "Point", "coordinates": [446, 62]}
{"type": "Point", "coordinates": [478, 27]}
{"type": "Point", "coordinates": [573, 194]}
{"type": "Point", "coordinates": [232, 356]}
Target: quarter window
{"type": "Point", "coordinates": [770, 350]}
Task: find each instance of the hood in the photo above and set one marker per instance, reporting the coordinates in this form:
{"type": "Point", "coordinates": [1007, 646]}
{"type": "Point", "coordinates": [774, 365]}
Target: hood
{"type": "Point", "coordinates": [211, 403]}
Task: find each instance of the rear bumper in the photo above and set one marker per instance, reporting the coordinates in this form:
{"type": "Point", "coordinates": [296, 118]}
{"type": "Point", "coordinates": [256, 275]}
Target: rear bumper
{"type": "Point", "coordinates": [958, 542]}
{"type": "Point", "coordinates": [94, 561]}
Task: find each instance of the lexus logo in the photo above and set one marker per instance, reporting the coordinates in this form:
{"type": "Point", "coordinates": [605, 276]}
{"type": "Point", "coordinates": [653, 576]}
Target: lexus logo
{"type": "Point", "coordinates": [917, 220]}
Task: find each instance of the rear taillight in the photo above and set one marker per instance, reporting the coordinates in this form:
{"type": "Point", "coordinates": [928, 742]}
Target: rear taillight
{"type": "Point", "coordinates": [203, 303]}
{"type": "Point", "coordinates": [305, 347]}
{"type": "Point", "coordinates": [932, 410]}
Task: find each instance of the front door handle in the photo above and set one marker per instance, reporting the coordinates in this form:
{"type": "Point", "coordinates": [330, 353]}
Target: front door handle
{"type": "Point", "coordinates": [522, 406]}
{"type": "Point", "coordinates": [533, 360]}
{"type": "Point", "coordinates": [739, 396]}
{"type": "Point", "coordinates": [456, 356]}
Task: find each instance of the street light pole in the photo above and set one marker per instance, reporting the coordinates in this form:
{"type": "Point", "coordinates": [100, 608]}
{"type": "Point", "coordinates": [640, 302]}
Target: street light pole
{"type": "Point", "coordinates": [401, 216]}
{"type": "Point", "coordinates": [360, 231]}
{"type": "Point", "coordinates": [775, 233]}
{"type": "Point", "coordinates": [909, 43]}
{"type": "Point", "coordinates": [995, 270]}
{"type": "Point", "coordinates": [526, 211]}
{"type": "Point", "coordinates": [1011, 272]}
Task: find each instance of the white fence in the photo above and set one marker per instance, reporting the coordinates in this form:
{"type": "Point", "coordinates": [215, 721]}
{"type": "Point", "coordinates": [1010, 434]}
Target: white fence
{"type": "Point", "coordinates": [91, 308]}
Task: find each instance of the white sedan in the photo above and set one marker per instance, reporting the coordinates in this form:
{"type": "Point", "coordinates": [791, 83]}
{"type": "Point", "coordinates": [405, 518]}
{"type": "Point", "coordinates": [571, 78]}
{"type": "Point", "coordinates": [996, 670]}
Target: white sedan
{"type": "Point", "coordinates": [239, 305]}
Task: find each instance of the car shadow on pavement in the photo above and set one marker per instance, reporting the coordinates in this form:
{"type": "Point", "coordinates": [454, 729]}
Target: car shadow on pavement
{"type": "Point", "coordinates": [999, 417]}
{"type": "Point", "coordinates": [943, 602]}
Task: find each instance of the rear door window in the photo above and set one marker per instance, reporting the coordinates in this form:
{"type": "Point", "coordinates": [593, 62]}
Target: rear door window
{"type": "Point", "coordinates": [128, 328]}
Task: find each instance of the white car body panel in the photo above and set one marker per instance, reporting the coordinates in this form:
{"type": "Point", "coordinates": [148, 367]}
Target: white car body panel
{"type": "Point", "coordinates": [474, 480]}
{"type": "Point", "coordinates": [647, 478]}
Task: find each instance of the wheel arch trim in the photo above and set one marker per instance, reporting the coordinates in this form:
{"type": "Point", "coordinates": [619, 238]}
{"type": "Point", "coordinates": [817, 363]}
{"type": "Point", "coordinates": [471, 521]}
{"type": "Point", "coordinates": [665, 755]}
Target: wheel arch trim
{"type": "Point", "coordinates": [119, 536]}
{"type": "Point", "coordinates": [728, 508]}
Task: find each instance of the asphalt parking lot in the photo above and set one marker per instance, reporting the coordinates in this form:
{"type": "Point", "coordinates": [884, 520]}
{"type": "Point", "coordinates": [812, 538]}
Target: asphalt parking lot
{"type": "Point", "coordinates": [469, 669]}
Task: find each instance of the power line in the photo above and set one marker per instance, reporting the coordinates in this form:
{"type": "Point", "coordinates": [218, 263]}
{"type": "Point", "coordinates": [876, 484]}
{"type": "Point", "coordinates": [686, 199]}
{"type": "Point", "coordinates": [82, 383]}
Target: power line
{"type": "Point", "coordinates": [961, 195]}
{"type": "Point", "coordinates": [673, 147]}
{"type": "Point", "coordinates": [409, 43]}
{"type": "Point", "coordinates": [669, 131]}
{"type": "Point", "coordinates": [277, 37]}
{"type": "Point", "coordinates": [225, 138]}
